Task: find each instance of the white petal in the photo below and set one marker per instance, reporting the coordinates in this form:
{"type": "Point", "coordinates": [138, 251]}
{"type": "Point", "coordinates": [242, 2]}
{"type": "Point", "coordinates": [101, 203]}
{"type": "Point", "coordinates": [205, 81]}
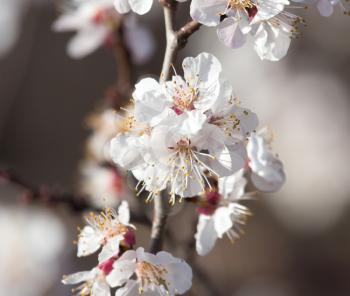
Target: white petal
{"type": "Point", "coordinates": [89, 241]}
{"type": "Point", "coordinates": [87, 41]}
{"type": "Point", "coordinates": [232, 187]}
{"type": "Point", "coordinates": [130, 289]}
{"type": "Point", "coordinates": [222, 220]}
{"type": "Point", "coordinates": [100, 288]}
{"type": "Point", "coordinates": [271, 43]}
{"type": "Point", "coordinates": [204, 68]}
{"type": "Point", "coordinates": [121, 273]}
{"type": "Point", "coordinates": [150, 101]}
{"type": "Point", "coordinates": [206, 235]}
{"type": "Point", "coordinates": [207, 12]}
{"type": "Point", "coordinates": [110, 249]}
{"type": "Point", "coordinates": [135, 35]}
{"type": "Point", "coordinates": [77, 277]}
{"type": "Point", "coordinates": [124, 213]}
{"type": "Point", "coordinates": [230, 33]}
{"type": "Point", "coordinates": [125, 150]}
{"type": "Point", "coordinates": [180, 276]}
{"type": "Point", "coordinates": [325, 7]}
{"type": "Point", "coordinates": [68, 22]}
{"type": "Point", "coordinates": [141, 6]}
{"type": "Point", "coordinates": [122, 6]}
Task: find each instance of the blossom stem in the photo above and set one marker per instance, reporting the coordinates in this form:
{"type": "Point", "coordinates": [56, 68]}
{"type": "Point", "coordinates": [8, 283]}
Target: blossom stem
{"type": "Point", "coordinates": [175, 40]}
{"type": "Point", "coordinates": [48, 196]}
{"type": "Point", "coordinates": [124, 65]}
{"type": "Point", "coordinates": [118, 94]}
{"type": "Point", "coordinates": [160, 215]}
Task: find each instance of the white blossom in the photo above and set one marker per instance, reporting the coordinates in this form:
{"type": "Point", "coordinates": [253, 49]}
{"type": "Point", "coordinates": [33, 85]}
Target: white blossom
{"type": "Point", "coordinates": [267, 172]}
{"type": "Point", "coordinates": [93, 282]}
{"type": "Point", "coordinates": [221, 213]}
{"type": "Point", "coordinates": [104, 185]}
{"type": "Point", "coordinates": [266, 20]}
{"type": "Point", "coordinates": [109, 230]}
{"type": "Point", "coordinates": [183, 129]}
{"type": "Point", "coordinates": [29, 260]}
{"type": "Point", "coordinates": [326, 7]}
{"type": "Point", "coordinates": [96, 23]}
{"type": "Point", "coordinates": [138, 272]}
{"type": "Point", "coordinates": [138, 6]}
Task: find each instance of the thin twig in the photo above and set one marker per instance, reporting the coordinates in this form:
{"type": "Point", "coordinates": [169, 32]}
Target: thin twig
{"type": "Point", "coordinates": [51, 197]}
{"type": "Point", "coordinates": [176, 40]}
{"type": "Point", "coordinates": [160, 215]}
{"type": "Point", "coordinates": [119, 93]}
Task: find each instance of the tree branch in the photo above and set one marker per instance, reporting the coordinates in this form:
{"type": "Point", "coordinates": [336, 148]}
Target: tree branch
{"type": "Point", "coordinates": [175, 40]}
{"type": "Point", "coordinates": [119, 93]}
{"type": "Point", "coordinates": [51, 197]}
{"type": "Point", "coordinates": [160, 215]}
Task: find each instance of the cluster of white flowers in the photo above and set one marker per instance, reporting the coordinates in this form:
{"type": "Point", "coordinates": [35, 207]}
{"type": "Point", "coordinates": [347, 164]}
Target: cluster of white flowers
{"type": "Point", "coordinates": [267, 21]}
{"type": "Point", "coordinates": [188, 136]}
{"type": "Point", "coordinates": [184, 131]}
{"type": "Point", "coordinates": [119, 266]}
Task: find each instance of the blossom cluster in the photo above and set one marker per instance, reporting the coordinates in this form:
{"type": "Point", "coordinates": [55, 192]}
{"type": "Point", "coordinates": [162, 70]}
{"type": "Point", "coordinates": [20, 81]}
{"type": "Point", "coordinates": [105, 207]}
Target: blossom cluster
{"type": "Point", "coordinates": [182, 132]}
{"type": "Point", "coordinates": [130, 271]}
{"type": "Point", "coordinates": [191, 137]}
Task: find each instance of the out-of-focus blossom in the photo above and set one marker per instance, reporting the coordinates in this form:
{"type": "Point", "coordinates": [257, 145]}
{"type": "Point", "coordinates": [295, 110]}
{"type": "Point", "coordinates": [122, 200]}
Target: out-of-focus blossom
{"type": "Point", "coordinates": [221, 213]}
{"type": "Point", "coordinates": [138, 6]}
{"type": "Point", "coordinates": [93, 282]}
{"type": "Point", "coordinates": [271, 26]}
{"type": "Point", "coordinates": [138, 272]}
{"type": "Point", "coordinates": [97, 23]}
{"type": "Point", "coordinates": [29, 261]}
{"type": "Point", "coordinates": [104, 185]}
{"type": "Point", "coordinates": [109, 230]}
{"type": "Point", "coordinates": [11, 13]}
{"type": "Point", "coordinates": [181, 129]}
{"type": "Point", "coordinates": [326, 7]}
{"type": "Point", "coordinates": [267, 172]}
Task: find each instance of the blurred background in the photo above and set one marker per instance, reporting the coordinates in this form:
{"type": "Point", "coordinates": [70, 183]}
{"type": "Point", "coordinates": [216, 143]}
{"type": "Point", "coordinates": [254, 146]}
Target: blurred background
{"type": "Point", "coordinates": [296, 244]}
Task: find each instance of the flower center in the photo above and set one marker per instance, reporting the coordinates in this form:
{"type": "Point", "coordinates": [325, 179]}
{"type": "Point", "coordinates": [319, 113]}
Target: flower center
{"type": "Point", "coordinates": [187, 164]}
{"type": "Point", "coordinates": [229, 124]}
{"type": "Point", "coordinates": [241, 4]}
{"type": "Point", "coordinates": [183, 98]}
{"type": "Point", "coordinates": [106, 16]}
{"type": "Point", "coordinates": [149, 273]}
{"type": "Point", "coordinates": [107, 266]}
{"type": "Point", "coordinates": [209, 203]}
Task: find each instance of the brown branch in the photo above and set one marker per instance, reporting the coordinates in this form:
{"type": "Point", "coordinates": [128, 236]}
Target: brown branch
{"type": "Point", "coordinates": [51, 197]}
{"type": "Point", "coordinates": [119, 93]}
{"type": "Point", "coordinates": [176, 40]}
{"type": "Point", "coordinates": [160, 215]}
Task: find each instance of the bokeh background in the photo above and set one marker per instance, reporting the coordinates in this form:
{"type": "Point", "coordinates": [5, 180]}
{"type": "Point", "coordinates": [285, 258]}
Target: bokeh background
{"type": "Point", "coordinates": [296, 244]}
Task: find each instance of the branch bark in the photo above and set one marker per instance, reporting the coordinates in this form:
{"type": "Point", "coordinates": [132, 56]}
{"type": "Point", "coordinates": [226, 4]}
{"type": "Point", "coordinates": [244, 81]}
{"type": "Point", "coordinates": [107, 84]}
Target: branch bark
{"type": "Point", "coordinates": [119, 93]}
{"type": "Point", "coordinates": [52, 197]}
{"type": "Point", "coordinates": [175, 40]}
